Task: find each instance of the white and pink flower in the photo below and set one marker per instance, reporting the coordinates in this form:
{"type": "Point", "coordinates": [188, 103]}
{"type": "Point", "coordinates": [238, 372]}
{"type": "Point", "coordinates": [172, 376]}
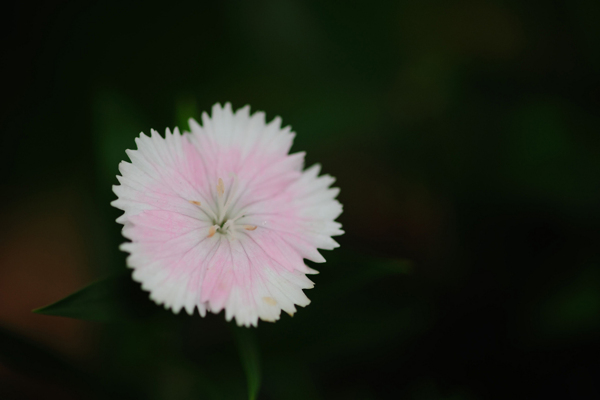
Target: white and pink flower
{"type": "Point", "coordinates": [222, 217]}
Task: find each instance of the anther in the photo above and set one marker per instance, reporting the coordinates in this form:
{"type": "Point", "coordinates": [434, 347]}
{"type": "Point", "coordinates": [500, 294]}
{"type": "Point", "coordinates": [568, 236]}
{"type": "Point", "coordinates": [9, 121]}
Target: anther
{"type": "Point", "coordinates": [220, 187]}
{"type": "Point", "coordinates": [249, 227]}
{"type": "Point", "coordinates": [195, 202]}
{"type": "Point", "coordinates": [212, 231]}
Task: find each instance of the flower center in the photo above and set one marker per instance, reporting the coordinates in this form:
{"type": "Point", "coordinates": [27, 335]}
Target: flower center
{"type": "Point", "coordinates": [225, 217]}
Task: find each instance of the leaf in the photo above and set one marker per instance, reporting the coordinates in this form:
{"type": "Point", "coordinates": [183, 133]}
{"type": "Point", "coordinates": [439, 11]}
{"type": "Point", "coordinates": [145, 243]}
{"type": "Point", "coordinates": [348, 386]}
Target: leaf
{"type": "Point", "coordinates": [245, 339]}
{"type": "Point", "coordinates": [116, 298]}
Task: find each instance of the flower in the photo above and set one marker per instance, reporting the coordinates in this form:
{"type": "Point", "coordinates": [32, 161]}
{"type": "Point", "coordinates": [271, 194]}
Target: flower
{"type": "Point", "coordinates": [222, 217]}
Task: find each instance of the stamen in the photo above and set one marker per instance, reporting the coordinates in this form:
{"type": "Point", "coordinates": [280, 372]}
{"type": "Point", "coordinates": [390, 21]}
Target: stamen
{"type": "Point", "coordinates": [220, 191]}
{"type": "Point", "coordinates": [206, 210]}
{"type": "Point", "coordinates": [224, 224]}
{"type": "Point", "coordinates": [231, 193]}
{"type": "Point", "coordinates": [220, 187]}
{"type": "Point", "coordinates": [212, 231]}
{"type": "Point", "coordinates": [238, 216]}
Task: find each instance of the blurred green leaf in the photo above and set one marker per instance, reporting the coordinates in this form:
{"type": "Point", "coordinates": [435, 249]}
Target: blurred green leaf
{"type": "Point", "coordinates": [245, 339]}
{"type": "Point", "coordinates": [116, 298]}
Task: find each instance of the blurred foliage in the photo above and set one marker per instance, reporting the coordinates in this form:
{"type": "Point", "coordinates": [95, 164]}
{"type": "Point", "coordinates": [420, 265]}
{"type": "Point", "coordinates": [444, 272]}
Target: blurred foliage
{"type": "Point", "coordinates": [463, 136]}
{"type": "Point", "coordinates": [113, 299]}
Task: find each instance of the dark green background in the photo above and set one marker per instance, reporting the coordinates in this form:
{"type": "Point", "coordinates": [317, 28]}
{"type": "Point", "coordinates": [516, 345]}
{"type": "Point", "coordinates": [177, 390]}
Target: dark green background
{"type": "Point", "coordinates": [464, 136]}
